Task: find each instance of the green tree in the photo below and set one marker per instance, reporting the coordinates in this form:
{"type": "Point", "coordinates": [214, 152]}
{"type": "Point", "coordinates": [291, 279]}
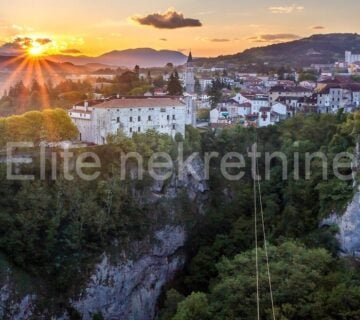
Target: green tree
{"type": "Point", "coordinates": [174, 87]}
{"type": "Point", "coordinates": [194, 307]}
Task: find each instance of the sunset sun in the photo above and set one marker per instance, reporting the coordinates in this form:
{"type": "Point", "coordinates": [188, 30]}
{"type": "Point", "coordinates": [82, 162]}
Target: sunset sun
{"type": "Point", "coordinates": [36, 51]}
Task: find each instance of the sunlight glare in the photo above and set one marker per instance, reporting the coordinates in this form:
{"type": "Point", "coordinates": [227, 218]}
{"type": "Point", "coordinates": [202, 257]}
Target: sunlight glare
{"type": "Point", "coordinates": [36, 51]}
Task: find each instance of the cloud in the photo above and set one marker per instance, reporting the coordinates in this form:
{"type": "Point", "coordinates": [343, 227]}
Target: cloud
{"type": "Point", "coordinates": [21, 44]}
{"type": "Point", "coordinates": [70, 51]}
{"type": "Point", "coordinates": [163, 39]}
{"type": "Point", "coordinates": [289, 9]}
{"type": "Point", "coordinates": [318, 28]}
{"type": "Point", "coordinates": [43, 41]}
{"type": "Point", "coordinates": [279, 37]}
{"type": "Point", "coordinates": [168, 20]}
{"type": "Point", "coordinates": [219, 40]}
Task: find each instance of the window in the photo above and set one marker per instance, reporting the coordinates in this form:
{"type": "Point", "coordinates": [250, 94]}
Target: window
{"type": "Point", "coordinates": [149, 118]}
{"type": "Point", "coordinates": [173, 117]}
{"type": "Point", "coordinates": [130, 119]}
{"type": "Point", "coordinates": [118, 119]}
{"type": "Point", "coordinates": [173, 127]}
{"type": "Point", "coordinates": [139, 118]}
{"type": "Point", "coordinates": [139, 129]}
{"type": "Point", "coordinates": [168, 117]}
{"type": "Point", "coordinates": [130, 130]}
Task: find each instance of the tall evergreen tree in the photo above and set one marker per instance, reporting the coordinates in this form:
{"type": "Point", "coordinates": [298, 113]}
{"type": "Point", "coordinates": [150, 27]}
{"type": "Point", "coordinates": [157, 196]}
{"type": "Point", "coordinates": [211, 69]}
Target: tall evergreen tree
{"type": "Point", "coordinates": [174, 87]}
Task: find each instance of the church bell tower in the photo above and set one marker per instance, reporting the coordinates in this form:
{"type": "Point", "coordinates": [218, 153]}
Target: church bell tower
{"type": "Point", "coordinates": [189, 75]}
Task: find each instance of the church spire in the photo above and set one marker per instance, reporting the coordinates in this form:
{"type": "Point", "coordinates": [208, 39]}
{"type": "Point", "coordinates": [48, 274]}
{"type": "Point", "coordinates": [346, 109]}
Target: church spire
{"type": "Point", "coordinates": [190, 58]}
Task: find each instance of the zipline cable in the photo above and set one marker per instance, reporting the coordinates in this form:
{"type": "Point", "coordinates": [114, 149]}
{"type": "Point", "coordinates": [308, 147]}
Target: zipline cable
{"type": "Point", "coordinates": [256, 247]}
{"type": "Point", "coordinates": [265, 244]}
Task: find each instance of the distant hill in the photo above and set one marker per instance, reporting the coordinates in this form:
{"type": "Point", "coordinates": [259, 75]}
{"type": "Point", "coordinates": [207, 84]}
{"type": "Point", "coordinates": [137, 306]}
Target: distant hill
{"type": "Point", "coordinates": [320, 48]}
{"type": "Point", "coordinates": [145, 57]}
{"type": "Point", "coordinates": [45, 66]}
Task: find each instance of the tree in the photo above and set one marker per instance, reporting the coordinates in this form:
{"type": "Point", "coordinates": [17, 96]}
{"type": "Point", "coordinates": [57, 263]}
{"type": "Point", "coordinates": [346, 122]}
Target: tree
{"type": "Point", "coordinates": [174, 87]}
{"type": "Point", "coordinates": [194, 307]}
{"type": "Point", "coordinates": [148, 77]}
{"type": "Point", "coordinates": [137, 71]}
{"type": "Point", "coordinates": [297, 274]}
{"type": "Point", "coordinates": [215, 93]}
{"type": "Point", "coordinates": [173, 298]}
{"type": "Point", "coordinates": [197, 87]}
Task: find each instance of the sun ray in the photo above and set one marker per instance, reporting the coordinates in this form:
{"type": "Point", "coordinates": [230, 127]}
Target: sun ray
{"type": "Point", "coordinates": [14, 75]}
{"type": "Point", "coordinates": [12, 60]}
{"type": "Point", "coordinates": [44, 96]}
{"type": "Point", "coordinates": [51, 71]}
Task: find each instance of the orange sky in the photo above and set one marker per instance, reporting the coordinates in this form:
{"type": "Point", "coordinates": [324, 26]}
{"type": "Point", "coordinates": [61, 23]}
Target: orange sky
{"type": "Point", "coordinates": [94, 27]}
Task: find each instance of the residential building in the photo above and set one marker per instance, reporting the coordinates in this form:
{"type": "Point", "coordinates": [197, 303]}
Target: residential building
{"type": "Point", "coordinates": [334, 97]}
{"type": "Point", "coordinates": [287, 91]}
{"type": "Point", "coordinates": [351, 58]}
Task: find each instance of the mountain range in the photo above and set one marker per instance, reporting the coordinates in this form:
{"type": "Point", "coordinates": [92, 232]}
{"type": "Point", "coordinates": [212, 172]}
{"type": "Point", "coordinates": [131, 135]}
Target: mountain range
{"type": "Point", "coordinates": [320, 49]}
{"type": "Point", "coordinates": [145, 57]}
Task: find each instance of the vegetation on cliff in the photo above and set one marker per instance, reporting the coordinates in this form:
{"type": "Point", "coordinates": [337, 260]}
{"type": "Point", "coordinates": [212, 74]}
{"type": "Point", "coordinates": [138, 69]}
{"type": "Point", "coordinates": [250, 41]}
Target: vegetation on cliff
{"type": "Point", "coordinates": [309, 280]}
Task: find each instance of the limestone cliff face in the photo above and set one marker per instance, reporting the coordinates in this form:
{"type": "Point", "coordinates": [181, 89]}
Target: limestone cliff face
{"type": "Point", "coordinates": [349, 227]}
{"type": "Point", "coordinates": [124, 285]}
{"type": "Point", "coordinates": [129, 289]}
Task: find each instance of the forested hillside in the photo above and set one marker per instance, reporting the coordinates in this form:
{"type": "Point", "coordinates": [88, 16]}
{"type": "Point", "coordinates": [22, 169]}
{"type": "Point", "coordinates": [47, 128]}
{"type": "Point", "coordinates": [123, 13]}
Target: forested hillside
{"type": "Point", "coordinates": [309, 280]}
{"type": "Point", "coordinates": [54, 231]}
{"type": "Point", "coordinates": [320, 48]}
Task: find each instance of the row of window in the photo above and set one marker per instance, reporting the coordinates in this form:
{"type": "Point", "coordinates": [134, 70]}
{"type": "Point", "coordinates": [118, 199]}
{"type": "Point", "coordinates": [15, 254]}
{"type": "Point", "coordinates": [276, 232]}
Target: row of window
{"type": "Point", "coordinates": [139, 128]}
{"type": "Point", "coordinates": [149, 118]}
{"type": "Point", "coordinates": [150, 109]}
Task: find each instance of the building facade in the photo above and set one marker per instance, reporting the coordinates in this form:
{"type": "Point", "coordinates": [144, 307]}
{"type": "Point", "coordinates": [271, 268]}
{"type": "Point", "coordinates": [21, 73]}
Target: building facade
{"type": "Point", "coordinates": [287, 91]}
{"type": "Point", "coordinates": [95, 120]}
{"type": "Point", "coordinates": [351, 58]}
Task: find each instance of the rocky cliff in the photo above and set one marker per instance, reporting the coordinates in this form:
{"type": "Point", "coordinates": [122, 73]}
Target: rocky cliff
{"type": "Point", "coordinates": [349, 227]}
{"type": "Point", "coordinates": [129, 289]}
{"type": "Point", "coordinates": [127, 282]}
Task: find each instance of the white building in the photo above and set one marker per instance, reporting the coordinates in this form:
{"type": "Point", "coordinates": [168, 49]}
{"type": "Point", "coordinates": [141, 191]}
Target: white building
{"type": "Point", "coordinates": [205, 83]}
{"type": "Point", "coordinates": [95, 120]}
{"type": "Point", "coordinates": [334, 97]}
{"type": "Point", "coordinates": [287, 91]}
{"type": "Point", "coordinates": [351, 58]}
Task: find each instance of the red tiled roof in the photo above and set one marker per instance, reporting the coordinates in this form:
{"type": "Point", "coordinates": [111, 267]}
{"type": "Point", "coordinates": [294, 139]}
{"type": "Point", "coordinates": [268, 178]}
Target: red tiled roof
{"type": "Point", "coordinates": [146, 102]}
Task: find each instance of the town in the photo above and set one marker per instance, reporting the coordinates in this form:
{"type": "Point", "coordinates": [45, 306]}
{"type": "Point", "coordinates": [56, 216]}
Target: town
{"type": "Point", "coordinates": [217, 97]}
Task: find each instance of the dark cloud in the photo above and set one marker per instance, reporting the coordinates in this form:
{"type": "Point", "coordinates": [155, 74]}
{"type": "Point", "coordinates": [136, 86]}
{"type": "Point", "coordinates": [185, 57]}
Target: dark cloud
{"type": "Point", "coordinates": [219, 40]}
{"type": "Point", "coordinates": [23, 41]}
{"type": "Point", "coordinates": [168, 20]}
{"type": "Point", "coordinates": [163, 39]}
{"type": "Point", "coordinates": [71, 51]}
{"type": "Point", "coordinates": [318, 28]}
{"type": "Point", "coordinates": [279, 37]}
{"type": "Point", "coordinates": [43, 41]}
